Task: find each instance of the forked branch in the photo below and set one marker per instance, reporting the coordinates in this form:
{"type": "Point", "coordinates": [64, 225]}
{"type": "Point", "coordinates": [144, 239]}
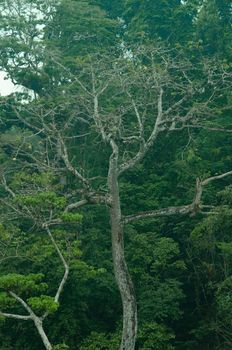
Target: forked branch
{"type": "Point", "coordinates": [145, 145]}
{"type": "Point", "coordinates": [31, 315]}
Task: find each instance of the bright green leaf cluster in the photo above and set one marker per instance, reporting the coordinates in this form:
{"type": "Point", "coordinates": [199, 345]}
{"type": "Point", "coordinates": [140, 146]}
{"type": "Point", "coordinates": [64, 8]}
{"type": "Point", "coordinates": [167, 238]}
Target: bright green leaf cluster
{"type": "Point", "coordinates": [20, 283]}
{"type": "Point", "coordinates": [72, 218]}
{"type": "Point", "coordinates": [44, 200]}
{"type": "Point", "coordinates": [43, 303]}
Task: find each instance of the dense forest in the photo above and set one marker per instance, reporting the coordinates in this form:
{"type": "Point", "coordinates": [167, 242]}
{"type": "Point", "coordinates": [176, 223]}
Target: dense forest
{"type": "Point", "coordinates": [115, 175]}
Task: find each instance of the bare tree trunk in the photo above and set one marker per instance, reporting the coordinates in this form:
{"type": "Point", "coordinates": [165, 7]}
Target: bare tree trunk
{"type": "Point", "coordinates": [121, 272]}
{"type": "Point", "coordinates": [39, 325]}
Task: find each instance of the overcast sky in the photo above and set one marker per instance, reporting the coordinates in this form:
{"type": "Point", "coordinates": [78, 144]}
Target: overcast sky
{"type": "Point", "coordinates": [6, 86]}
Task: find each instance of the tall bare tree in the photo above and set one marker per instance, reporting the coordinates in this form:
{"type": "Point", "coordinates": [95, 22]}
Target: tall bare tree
{"type": "Point", "coordinates": [119, 104]}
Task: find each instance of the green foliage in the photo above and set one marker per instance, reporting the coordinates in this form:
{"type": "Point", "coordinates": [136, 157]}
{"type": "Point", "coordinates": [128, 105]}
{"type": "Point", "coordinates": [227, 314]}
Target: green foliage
{"type": "Point", "coordinates": [211, 261]}
{"type": "Point", "coordinates": [165, 251]}
{"type": "Point", "coordinates": [19, 283]}
{"type": "Point", "coordinates": [82, 271]}
{"type": "Point", "coordinates": [159, 19]}
{"type": "Point", "coordinates": [215, 33]}
{"type": "Point", "coordinates": [61, 347]}
{"type": "Point", "coordinates": [77, 30]}
{"type": "Point", "coordinates": [33, 179]}
{"type": "Point", "coordinates": [154, 336]}
{"type": "Point", "coordinates": [101, 341]}
{"type": "Point", "coordinates": [6, 300]}
{"type": "Point", "coordinates": [156, 268]}
{"type": "Point", "coordinates": [42, 304]}
{"type": "Point", "coordinates": [113, 8]}
{"type": "Point", "coordinates": [224, 301]}
{"type": "Point", "coordinates": [2, 318]}
{"type": "Point", "coordinates": [161, 301]}
{"type": "Point", "coordinates": [45, 200]}
{"type": "Point", "coordinates": [226, 196]}
{"type": "Point", "coordinates": [71, 217]}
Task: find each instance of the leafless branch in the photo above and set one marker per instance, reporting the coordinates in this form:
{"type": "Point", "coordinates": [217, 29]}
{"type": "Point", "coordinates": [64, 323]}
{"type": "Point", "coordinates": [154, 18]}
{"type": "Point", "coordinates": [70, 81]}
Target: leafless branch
{"type": "Point", "coordinates": [191, 208]}
{"type": "Point", "coordinates": [76, 205]}
{"type": "Point", "coordinates": [217, 177]}
{"type": "Point", "coordinates": [23, 303]}
{"type": "Point", "coordinates": [66, 267]}
{"type": "Point", "coordinates": [146, 145]}
{"type": "Point", "coordinates": [181, 210]}
{"type": "Point", "coordinates": [209, 128]}
{"type": "Point", "coordinates": [18, 317]}
{"type": "Point", "coordinates": [70, 167]}
{"type": "Point", "coordinates": [28, 124]}
{"type": "Point", "coordinates": [7, 188]}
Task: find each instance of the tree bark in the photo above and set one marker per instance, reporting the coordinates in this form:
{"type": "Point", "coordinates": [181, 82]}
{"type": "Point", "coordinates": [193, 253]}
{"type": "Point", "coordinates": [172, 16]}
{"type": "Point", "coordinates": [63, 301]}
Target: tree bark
{"type": "Point", "coordinates": [121, 272]}
{"type": "Point", "coordinates": [39, 325]}
{"type": "Point", "coordinates": [32, 316]}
